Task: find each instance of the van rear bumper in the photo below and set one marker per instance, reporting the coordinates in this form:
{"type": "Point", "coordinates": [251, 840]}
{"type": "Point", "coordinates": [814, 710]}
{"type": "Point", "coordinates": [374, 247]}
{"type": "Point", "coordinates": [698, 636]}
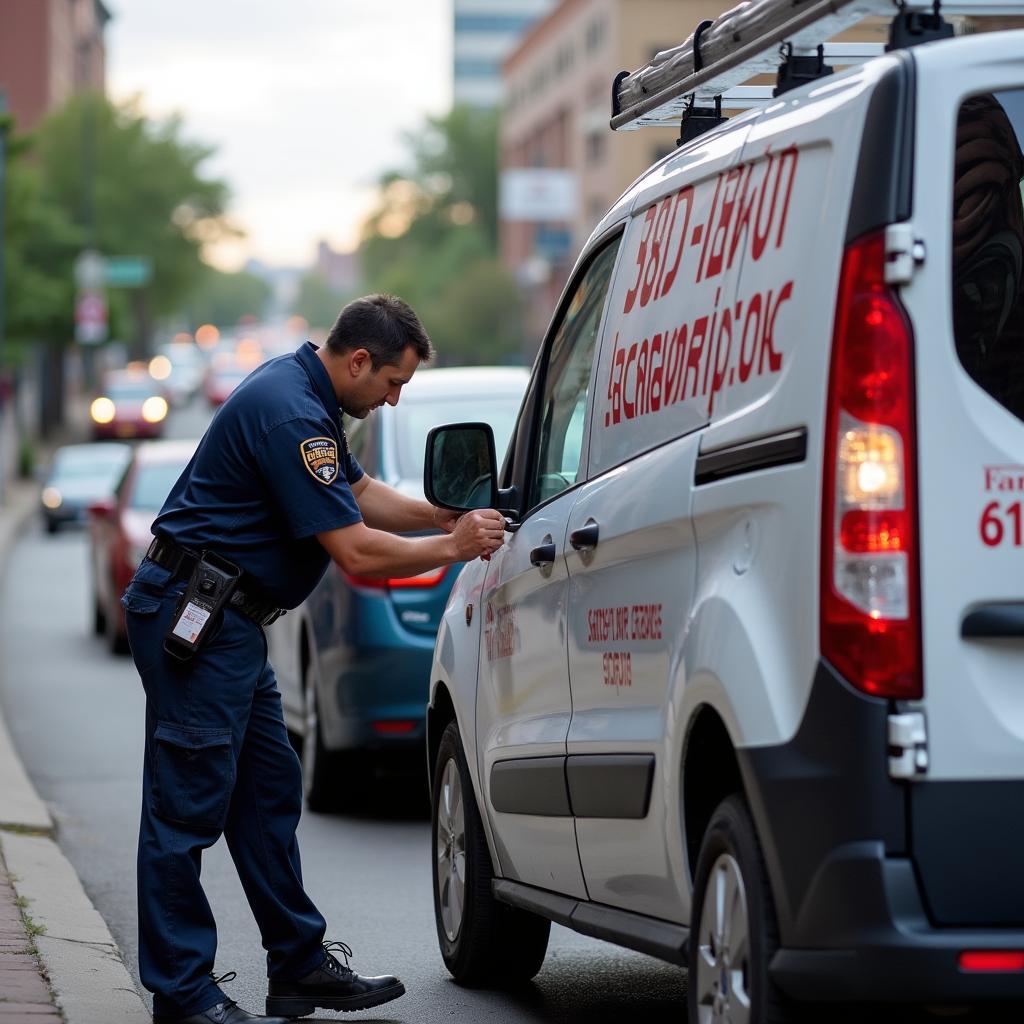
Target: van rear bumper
{"type": "Point", "coordinates": [861, 916]}
{"type": "Point", "coordinates": [877, 944]}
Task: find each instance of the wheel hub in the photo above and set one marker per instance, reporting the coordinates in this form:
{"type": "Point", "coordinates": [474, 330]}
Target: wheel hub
{"type": "Point", "coordinates": [451, 851]}
{"type": "Point", "coordinates": [723, 957]}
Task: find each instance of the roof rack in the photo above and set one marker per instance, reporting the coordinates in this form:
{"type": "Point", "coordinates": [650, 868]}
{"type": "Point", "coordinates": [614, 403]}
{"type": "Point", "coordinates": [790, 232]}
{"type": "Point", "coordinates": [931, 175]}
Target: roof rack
{"type": "Point", "coordinates": [745, 41]}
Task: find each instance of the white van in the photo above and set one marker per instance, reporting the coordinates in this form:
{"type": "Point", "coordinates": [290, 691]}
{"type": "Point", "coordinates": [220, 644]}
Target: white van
{"type": "Point", "coordinates": [744, 689]}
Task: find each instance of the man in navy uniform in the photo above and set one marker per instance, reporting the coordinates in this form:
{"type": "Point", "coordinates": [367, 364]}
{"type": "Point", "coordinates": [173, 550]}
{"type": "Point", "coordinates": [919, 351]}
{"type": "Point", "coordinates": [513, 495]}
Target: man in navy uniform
{"type": "Point", "coordinates": [272, 489]}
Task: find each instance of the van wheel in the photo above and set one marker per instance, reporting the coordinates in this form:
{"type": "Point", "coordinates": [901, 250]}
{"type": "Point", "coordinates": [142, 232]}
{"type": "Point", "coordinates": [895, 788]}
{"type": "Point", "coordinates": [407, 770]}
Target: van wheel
{"type": "Point", "coordinates": [733, 930]}
{"type": "Point", "coordinates": [321, 775]}
{"type": "Point", "coordinates": [482, 940]}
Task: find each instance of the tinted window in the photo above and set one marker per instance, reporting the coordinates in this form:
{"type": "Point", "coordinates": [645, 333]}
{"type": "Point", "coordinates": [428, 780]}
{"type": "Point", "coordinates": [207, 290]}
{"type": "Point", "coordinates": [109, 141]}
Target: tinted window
{"type": "Point", "coordinates": [130, 392]}
{"type": "Point", "coordinates": [988, 245]}
{"type": "Point", "coordinates": [415, 420]}
{"type": "Point", "coordinates": [153, 482]}
{"type": "Point", "coordinates": [84, 467]}
{"type": "Point", "coordinates": [569, 358]}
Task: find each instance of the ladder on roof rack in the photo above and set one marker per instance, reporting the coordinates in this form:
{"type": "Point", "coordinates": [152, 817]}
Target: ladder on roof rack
{"type": "Point", "coordinates": [745, 41]}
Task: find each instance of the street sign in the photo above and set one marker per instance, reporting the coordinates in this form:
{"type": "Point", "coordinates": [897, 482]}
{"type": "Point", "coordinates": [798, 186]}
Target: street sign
{"type": "Point", "coordinates": [90, 318]}
{"type": "Point", "coordinates": [89, 270]}
{"type": "Point", "coordinates": [127, 271]}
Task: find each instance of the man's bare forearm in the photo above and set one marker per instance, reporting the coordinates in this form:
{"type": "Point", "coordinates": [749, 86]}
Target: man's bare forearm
{"type": "Point", "coordinates": [384, 508]}
{"type": "Point", "coordinates": [362, 551]}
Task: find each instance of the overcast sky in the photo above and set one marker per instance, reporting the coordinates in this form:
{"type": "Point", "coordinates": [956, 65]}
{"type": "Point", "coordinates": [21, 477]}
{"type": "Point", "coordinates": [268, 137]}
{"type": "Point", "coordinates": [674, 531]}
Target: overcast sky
{"type": "Point", "coordinates": [305, 101]}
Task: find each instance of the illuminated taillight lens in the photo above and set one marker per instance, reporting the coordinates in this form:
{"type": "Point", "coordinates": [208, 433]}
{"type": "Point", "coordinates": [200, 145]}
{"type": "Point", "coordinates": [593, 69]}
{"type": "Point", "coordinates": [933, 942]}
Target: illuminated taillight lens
{"type": "Point", "coordinates": [992, 960]}
{"type": "Point", "coordinates": [870, 620]}
{"type": "Point", "coordinates": [424, 580]}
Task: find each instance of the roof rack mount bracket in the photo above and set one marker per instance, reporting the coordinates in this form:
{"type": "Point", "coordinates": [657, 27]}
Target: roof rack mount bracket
{"type": "Point", "coordinates": [795, 71]}
{"type": "Point", "coordinates": [911, 28]}
{"type": "Point", "coordinates": [698, 120]}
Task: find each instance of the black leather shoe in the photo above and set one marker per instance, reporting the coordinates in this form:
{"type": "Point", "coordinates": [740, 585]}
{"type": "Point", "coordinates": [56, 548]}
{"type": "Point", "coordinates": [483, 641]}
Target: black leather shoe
{"type": "Point", "coordinates": [331, 987]}
{"type": "Point", "coordinates": [227, 1012]}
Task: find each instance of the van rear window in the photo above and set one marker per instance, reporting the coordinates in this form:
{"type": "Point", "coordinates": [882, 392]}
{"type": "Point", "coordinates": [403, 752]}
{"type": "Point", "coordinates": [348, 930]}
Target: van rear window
{"type": "Point", "coordinates": [988, 244]}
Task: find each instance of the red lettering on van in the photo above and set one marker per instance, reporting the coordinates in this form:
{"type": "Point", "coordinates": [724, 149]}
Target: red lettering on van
{"type": "Point", "coordinates": [682, 196]}
{"type": "Point", "coordinates": [641, 260]}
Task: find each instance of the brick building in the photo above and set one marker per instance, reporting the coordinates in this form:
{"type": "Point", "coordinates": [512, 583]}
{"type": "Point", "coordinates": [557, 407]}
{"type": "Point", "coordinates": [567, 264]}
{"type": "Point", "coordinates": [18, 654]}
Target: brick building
{"type": "Point", "coordinates": [49, 51]}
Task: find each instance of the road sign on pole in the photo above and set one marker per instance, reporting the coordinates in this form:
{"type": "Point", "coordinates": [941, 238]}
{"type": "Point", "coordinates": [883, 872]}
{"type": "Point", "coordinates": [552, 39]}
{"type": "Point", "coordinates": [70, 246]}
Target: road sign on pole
{"type": "Point", "coordinates": [90, 318]}
{"type": "Point", "coordinates": [89, 270]}
{"type": "Point", "coordinates": [127, 271]}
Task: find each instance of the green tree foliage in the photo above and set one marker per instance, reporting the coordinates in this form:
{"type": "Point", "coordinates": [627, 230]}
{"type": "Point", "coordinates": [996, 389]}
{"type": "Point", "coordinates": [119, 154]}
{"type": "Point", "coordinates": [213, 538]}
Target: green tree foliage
{"type": "Point", "coordinates": [134, 187]}
{"type": "Point", "coordinates": [223, 299]}
{"type": "Point", "coordinates": [317, 301]}
{"type": "Point", "coordinates": [433, 240]}
{"type": "Point", "coordinates": [40, 245]}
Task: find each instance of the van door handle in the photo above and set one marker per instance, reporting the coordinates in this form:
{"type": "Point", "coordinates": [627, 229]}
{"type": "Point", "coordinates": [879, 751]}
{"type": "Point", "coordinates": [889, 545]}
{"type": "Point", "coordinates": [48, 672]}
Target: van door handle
{"type": "Point", "coordinates": [585, 538]}
{"type": "Point", "coordinates": [545, 554]}
{"type": "Point", "coordinates": [999, 619]}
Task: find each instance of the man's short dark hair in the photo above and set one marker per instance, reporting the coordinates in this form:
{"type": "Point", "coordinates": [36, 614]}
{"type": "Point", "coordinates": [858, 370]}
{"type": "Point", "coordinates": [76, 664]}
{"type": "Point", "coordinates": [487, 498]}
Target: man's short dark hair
{"type": "Point", "coordinates": [382, 324]}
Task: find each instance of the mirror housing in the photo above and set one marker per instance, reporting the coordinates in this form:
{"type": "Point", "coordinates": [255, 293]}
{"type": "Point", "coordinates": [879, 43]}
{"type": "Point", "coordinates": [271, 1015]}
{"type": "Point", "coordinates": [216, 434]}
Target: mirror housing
{"type": "Point", "coordinates": [460, 470]}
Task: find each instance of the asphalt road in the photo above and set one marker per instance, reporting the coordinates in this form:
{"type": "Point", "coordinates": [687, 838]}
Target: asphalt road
{"type": "Point", "coordinates": [76, 715]}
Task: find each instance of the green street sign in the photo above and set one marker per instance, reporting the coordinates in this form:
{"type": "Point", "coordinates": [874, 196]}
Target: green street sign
{"type": "Point", "coordinates": [127, 271]}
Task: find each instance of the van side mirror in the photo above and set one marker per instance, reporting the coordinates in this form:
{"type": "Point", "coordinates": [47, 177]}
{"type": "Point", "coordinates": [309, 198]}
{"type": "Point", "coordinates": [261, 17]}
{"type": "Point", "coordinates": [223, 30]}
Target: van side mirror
{"type": "Point", "coordinates": [460, 470]}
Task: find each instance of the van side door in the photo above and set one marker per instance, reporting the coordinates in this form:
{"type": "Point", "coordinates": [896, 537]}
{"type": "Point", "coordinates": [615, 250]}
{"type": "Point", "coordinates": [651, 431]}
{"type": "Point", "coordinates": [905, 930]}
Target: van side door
{"type": "Point", "coordinates": [631, 549]}
{"type": "Point", "coordinates": [523, 699]}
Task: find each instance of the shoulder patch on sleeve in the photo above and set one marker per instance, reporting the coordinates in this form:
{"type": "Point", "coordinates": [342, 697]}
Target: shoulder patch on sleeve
{"type": "Point", "coordinates": [320, 457]}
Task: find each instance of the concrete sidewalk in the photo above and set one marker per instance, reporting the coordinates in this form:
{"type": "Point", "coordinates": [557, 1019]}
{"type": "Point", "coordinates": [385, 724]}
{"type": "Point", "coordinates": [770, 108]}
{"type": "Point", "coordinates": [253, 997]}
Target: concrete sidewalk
{"type": "Point", "coordinates": [58, 960]}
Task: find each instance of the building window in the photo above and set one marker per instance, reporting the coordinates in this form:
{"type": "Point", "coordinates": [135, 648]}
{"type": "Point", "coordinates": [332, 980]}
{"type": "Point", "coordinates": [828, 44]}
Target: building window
{"type": "Point", "coordinates": [594, 35]}
{"type": "Point", "coordinates": [595, 147]}
{"type": "Point", "coordinates": [512, 24]}
{"type": "Point", "coordinates": [473, 67]}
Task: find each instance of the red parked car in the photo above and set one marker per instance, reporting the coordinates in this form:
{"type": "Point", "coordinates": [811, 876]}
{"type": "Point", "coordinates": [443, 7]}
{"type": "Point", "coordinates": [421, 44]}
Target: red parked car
{"type": "Point", "coordinates": [130, 405]}
{"type": "Point", "coordinates": [119, 530]}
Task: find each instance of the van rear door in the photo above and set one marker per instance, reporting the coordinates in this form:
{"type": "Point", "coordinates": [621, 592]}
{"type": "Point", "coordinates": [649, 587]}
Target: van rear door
{"type": "Point", "coordinates": [966, 302]}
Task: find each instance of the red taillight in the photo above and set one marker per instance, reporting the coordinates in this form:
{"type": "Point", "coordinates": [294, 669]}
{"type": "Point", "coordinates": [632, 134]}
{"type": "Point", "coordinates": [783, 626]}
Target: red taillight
{"type": "Point", "coordinates": [870, 619]}
{"type": "Point", "coordinates": [424, 580]}
{"type": "Point", "coordinates": [394, 727]}
{"type": "Point", "coordinates": [992, 960]}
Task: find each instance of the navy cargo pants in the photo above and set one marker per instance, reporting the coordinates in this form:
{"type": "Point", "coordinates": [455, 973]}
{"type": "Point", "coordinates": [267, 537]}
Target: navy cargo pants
{"type": "Point", "coordinates": [217, 761]}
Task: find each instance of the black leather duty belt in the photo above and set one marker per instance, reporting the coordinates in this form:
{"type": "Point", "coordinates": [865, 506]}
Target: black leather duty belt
{"type": "Point", "coordinates": [181, 563]}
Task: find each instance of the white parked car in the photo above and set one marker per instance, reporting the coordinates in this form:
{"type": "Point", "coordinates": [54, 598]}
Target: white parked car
{"type": "Point", "coordinates": [744, 688]}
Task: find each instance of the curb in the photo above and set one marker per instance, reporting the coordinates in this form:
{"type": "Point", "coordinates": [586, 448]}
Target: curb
{"type": "Point", "coordinates": [90, 982]}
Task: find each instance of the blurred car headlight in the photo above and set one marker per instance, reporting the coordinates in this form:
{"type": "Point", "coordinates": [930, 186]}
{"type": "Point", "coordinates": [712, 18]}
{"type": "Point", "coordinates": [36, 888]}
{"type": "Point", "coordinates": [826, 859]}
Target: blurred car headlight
{"type": "Point", "coordinates": [154, 409]}
{"type": "Point", "coordinates": [102, 410]}
{"type": "Point", "coordinates": [160, 367]}
{"type": "Point", "coordinates": [52, 498]}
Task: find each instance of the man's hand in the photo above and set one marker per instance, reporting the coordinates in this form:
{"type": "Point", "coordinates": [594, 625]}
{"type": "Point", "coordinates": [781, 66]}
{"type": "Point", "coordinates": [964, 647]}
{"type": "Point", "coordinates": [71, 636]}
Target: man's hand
{"type": "Point", "coordinates": [478, 534]}
{"type": "Point", "coordinates": [445, 519]}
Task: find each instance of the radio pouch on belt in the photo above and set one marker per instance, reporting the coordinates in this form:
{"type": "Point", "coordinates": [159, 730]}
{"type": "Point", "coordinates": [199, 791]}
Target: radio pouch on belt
{"type": "Point", "coordinates": [210, 587]}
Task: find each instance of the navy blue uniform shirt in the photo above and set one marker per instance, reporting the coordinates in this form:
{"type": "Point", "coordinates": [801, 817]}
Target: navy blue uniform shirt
{"type": "Point", "coordinates": [271, 472]}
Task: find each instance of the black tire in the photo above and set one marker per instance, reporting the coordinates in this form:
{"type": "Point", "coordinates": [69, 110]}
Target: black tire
{"type": "Point", "coordinates": [117, 642]}
{"type": "Point", "coordinates": [323, 782]}
{"type": "Point", "coordinates": [493, 943]}
{"type": "Point", "coordinates": [99, 618]}
{"type": "Point", "coordinates": [730, 849]}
